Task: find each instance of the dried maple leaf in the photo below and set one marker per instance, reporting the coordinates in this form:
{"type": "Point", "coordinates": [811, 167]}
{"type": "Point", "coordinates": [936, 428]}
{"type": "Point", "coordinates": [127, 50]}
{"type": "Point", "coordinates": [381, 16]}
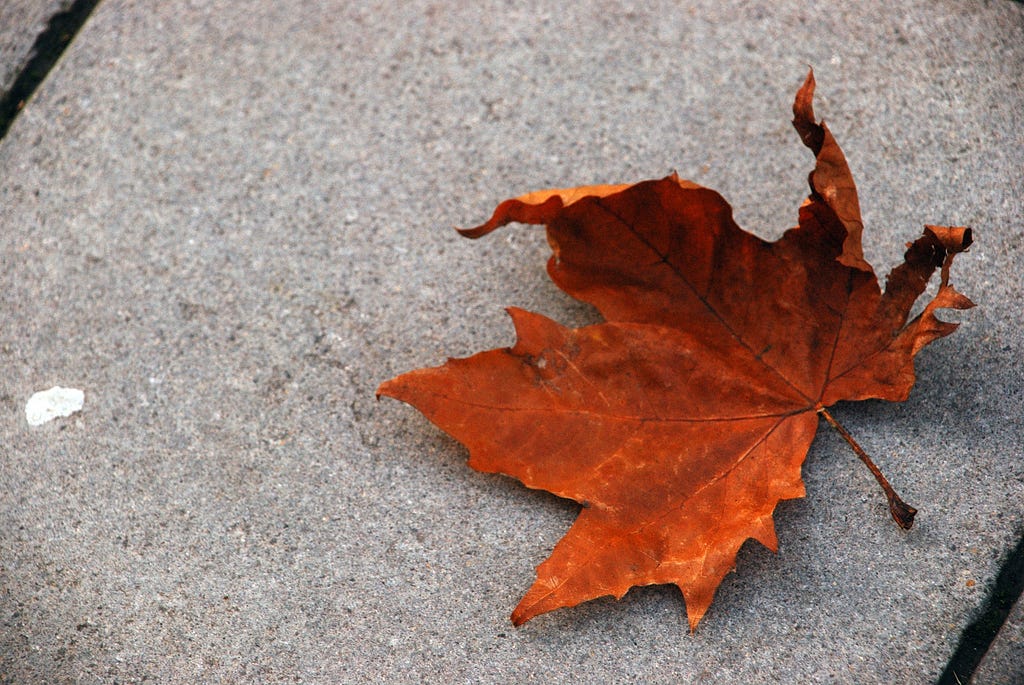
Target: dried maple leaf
{"type": "Point", "coordinates": [682, 421]}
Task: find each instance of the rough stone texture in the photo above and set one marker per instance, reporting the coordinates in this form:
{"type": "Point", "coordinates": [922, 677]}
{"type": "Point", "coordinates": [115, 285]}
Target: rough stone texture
{"type": "Point", "coordinates": [1004, 662]}
{"type": "Point", "coordinates": [227, 222]}
{"type": "Point", "coordinates": [21, 21]}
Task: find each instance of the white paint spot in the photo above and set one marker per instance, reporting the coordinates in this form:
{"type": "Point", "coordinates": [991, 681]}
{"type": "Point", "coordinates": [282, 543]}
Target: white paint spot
{"type": "Point", "coordinates": [49, 404]}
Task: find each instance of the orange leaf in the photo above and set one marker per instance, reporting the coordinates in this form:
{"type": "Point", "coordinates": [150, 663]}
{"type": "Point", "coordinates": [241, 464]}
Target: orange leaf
{"type": "Point", "coordinates": [681, 421]}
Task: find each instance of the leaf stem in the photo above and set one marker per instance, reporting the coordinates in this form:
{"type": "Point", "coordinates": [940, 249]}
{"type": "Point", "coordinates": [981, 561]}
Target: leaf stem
{"type": "Point", "coordinates": [901, 512]}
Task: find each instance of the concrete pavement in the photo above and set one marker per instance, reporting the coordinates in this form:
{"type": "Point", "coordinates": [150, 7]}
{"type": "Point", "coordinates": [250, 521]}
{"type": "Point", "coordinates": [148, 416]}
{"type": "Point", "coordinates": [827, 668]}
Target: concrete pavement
{"type": "Point", "coordinates": [226, 222]}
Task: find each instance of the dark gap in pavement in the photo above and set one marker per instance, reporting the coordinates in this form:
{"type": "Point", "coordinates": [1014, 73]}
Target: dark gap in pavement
{"type": "Point", "coordinates": [49, 46]}
{"type": "Point", "coordinates": [978, 636]}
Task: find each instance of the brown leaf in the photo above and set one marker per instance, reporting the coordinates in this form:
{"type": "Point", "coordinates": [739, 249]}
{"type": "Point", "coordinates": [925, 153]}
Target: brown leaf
{"type": "Point", "coordinates": [680, 422]}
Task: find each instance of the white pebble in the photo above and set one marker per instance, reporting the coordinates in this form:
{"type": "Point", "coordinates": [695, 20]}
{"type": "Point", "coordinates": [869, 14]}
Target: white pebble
{"type": "Point", "coordinates": [49, 404]}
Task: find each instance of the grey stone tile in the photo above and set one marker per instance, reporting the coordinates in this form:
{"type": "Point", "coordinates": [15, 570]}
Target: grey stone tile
{"type": "Point", "coordinates": [227, 222]}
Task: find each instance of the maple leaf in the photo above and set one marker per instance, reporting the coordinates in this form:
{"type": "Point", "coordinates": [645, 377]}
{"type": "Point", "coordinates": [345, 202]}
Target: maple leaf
{"type": "Point", "coordinates": [681, 421]}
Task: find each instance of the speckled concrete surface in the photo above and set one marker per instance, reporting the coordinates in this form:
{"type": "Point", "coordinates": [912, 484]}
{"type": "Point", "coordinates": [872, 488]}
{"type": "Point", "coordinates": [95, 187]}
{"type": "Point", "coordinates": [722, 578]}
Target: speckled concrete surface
{"type": "Point", "coordinates": [21, 21]}
{"type": "Point", "coordinates": [227, 222]}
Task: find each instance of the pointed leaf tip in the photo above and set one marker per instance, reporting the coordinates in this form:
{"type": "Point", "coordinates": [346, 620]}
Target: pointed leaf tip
{"type": "Point", "coordinates": [811, 133]}
{"type": "Point", "coordinates": [516, 210]}
{"type": "Point", "coordinates": [540, 207]}
{"type": "Point", "coordinates": [831, 182]}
